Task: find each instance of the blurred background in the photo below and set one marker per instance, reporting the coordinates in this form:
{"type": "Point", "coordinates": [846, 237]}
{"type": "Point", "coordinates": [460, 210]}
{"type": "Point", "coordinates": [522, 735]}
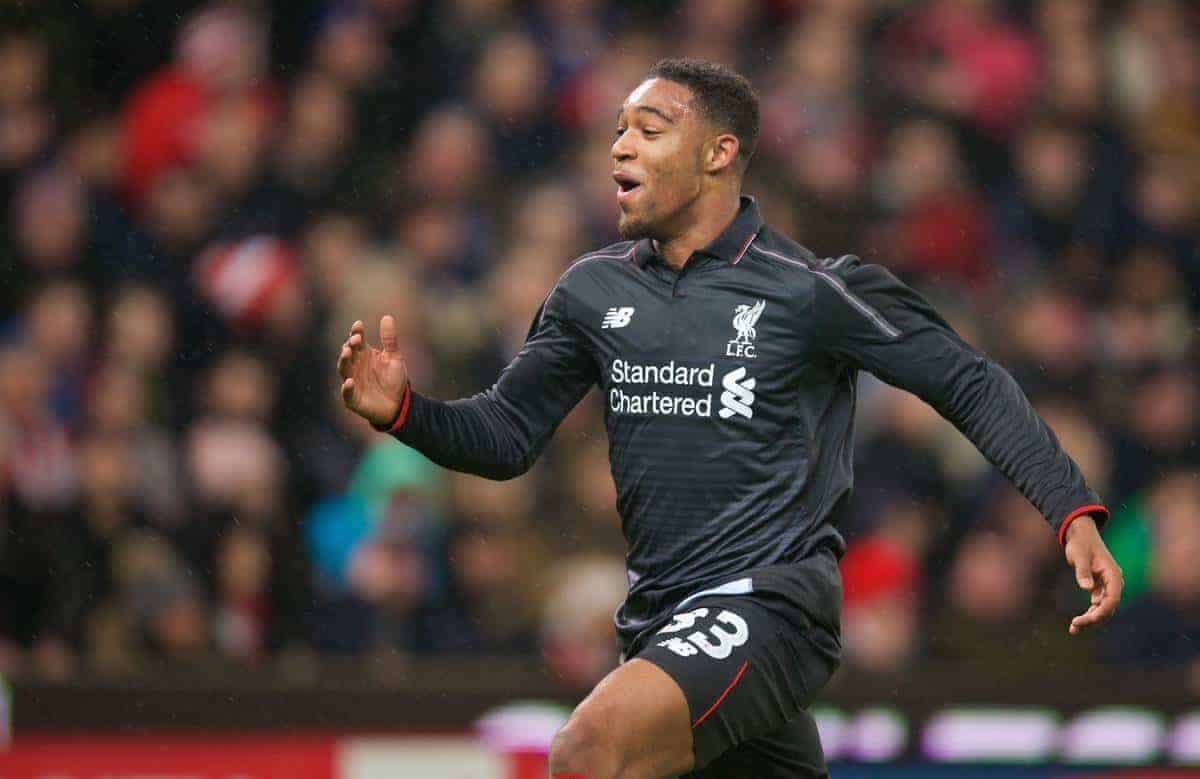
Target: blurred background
{"type": "Point", "coordinates": [198, 198]}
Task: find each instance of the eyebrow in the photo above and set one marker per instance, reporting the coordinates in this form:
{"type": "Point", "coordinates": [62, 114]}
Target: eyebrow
{"type": "Point", "coordinates": [650, 109]}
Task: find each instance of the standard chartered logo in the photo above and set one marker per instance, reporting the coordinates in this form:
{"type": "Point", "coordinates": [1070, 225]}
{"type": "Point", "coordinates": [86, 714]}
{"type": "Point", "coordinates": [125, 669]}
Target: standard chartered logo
{"type": "Point", "coordinates": [737, 397]}
{"type": "Point", "coordinates": [669, 392]}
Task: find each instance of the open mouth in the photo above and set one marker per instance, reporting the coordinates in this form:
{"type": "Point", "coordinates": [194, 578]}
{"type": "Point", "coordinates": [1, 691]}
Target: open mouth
{"type": "Point", "coordinates": [627, 185]}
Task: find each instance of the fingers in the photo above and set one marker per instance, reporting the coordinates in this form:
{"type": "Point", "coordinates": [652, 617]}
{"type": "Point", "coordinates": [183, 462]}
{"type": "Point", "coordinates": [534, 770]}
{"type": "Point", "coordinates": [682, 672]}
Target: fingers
{"type": "Point", "coordinates": [1093, 616]}
{"type": "Point", "coordinates": [387, 333]}
{"type": "Point", "coordinates": [348, 392]}
{"type": "Point", "coordinates": [358, 335]}
{"type": "Point", "coordinates": [1083, 621]}
{"type": "Point", "coordinates": [353, 345]}
{"type": "Point", "coordinates": [1105, 595]}
{"type": "Point", "coordinates": [1110, 594]}
{"type": "Point", "coordinates": [1083, 572]}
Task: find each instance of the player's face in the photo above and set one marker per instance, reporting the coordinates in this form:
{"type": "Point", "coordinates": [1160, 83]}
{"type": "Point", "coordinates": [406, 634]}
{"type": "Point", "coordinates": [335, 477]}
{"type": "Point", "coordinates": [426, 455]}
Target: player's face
{"type": "Point", "coordinates": [657, 159]}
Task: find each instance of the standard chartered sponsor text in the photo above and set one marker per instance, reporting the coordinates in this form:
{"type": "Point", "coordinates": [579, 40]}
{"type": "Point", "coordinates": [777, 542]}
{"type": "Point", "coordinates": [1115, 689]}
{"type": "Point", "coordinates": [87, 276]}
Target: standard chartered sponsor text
{"type": "Point", "coordinates": [666, 373]}
{"type": "Point", "coordinates": [656, 403]}
{"type": "Point", "coordinates": [669, 373]}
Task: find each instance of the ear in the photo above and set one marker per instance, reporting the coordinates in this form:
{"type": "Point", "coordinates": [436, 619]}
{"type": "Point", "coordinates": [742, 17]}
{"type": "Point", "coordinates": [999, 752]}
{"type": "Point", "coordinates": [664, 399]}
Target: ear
{"type": "Point", "coordinates": [721, 152]}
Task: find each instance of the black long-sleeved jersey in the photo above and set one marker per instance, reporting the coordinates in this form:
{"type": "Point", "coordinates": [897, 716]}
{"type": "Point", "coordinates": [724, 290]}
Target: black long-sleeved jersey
{"type": "Point", "coordinates": [729, 403]}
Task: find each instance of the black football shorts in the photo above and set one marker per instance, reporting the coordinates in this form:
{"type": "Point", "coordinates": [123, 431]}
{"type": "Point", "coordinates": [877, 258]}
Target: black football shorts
{"type": "Point", "coordinates": [749, 666]}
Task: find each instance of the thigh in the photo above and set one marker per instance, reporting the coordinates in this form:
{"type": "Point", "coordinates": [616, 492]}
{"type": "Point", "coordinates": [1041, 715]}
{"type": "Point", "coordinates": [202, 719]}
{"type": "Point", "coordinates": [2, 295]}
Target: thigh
{"type": "Point", "coordinates": [639, 715]}
{"type": "Point", "coordinates": [792, 752]}
{"type": "Point", "coordinates": [747, 665]}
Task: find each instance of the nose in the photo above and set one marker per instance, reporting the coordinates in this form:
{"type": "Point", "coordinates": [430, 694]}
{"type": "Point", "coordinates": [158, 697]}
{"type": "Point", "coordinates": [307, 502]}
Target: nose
{"type": "Point", "coordinates": [622, 148]}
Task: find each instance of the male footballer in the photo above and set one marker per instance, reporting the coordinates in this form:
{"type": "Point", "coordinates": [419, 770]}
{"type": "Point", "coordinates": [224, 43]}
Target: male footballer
{"type": "Point", "coordinates": [727, 356]}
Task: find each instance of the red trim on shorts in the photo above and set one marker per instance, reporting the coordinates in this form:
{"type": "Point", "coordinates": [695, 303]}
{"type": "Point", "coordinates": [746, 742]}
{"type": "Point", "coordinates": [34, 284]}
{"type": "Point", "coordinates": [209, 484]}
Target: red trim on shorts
{"type": "Point", "coordinates": [1094, 508]}
{"type": "Point", "coordinates": [736, 678]}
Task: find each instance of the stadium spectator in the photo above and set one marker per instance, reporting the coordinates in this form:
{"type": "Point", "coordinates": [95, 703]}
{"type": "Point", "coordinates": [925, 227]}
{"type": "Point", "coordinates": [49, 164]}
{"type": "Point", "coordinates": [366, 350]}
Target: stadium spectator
{"type": "Point", "coordinates": [511, 91]}
{"type": "Point", "coordinates": [879, 622]}
{"type": "Point", "coordinates": [964, 59]}
{"type": "Point", "coordinates": [489, 606]}
{"type": "Point", "coordinates": [1160, 628]}
{"type": "Point", "coordinates": [937, 227]}
{"type": "Point", "coordinates": [578, 640]}
{"type": "Point", "coordinates": [220, 54]}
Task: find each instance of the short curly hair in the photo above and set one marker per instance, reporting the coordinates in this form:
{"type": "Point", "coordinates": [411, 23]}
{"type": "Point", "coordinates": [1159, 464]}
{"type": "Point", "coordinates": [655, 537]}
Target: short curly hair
{"type": "Point", "coordinates": [725, 97]}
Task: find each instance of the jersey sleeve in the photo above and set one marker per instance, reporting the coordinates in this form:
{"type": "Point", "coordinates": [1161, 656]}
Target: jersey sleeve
{"type": "Point", "coordinates": [500, 432]}
{"type": "Point", "coordinates": [869, 319]}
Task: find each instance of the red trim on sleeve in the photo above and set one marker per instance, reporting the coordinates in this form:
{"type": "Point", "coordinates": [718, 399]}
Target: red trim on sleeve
{"type": "Point", "coordinates": [401, 415]}
{"type": "Point", "coordinates": [1093, 508]}
{"type": "Point", "coordinates": [737, 678]}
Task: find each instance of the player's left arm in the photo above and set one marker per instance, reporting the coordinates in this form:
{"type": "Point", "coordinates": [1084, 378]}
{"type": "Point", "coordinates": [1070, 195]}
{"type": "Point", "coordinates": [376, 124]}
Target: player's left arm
{"type": "Point", "coordinates": [868, 319]}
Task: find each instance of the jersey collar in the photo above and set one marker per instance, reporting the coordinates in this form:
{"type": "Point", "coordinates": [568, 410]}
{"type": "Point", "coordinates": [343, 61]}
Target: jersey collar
{"type": "Point", "coordinates": [730, 245]}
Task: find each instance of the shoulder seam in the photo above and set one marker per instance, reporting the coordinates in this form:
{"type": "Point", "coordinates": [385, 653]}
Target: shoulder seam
{"type": "Point", "coordinates": [606, 253]}
{"type": "Point", "coordinates": [599, 254]}
{"type": "Point", "coordinates": [876, 318]}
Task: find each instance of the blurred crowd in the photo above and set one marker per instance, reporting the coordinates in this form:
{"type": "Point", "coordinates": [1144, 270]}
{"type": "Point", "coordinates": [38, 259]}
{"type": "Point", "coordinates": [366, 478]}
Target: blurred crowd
{"type": "Point", "coordinates": [199, 198]}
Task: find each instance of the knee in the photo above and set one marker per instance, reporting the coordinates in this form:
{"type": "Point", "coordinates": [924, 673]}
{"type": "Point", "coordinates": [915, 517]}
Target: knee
{"type": "Point", "coordinates": [585, 747]}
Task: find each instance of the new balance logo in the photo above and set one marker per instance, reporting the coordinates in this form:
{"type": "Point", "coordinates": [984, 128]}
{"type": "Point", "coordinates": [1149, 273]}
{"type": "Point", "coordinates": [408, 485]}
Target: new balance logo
{"type": "Point", "coordinates": [738, 396]}
{"type": "Point", "coordinates": [617, 317]}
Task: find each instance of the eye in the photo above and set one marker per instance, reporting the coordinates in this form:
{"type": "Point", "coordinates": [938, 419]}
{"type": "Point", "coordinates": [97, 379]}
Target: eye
{"type": "Point", "coordinates": [650, 132]}
{"type": "Point", "coordinates": [619, 132]}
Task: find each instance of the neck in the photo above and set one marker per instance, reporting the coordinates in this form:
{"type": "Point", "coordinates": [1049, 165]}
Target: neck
{"type": "Point", "coordinates": [709, 218]}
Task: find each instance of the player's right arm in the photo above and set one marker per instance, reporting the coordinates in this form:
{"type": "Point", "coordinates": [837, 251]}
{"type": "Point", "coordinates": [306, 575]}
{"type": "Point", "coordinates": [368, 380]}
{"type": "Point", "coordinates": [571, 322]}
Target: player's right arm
{"type": "Point", "coordinates": [498, 433]}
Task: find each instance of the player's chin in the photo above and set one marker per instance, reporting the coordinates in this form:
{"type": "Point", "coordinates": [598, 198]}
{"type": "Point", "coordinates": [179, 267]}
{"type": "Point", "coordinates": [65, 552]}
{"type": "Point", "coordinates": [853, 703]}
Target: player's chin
{"type": "Point", "coordinates": [632, 227]}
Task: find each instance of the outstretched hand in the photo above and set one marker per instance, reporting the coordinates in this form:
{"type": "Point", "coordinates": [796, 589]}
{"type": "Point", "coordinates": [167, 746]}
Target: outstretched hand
{"type": "Point", "coordinates": [373, 380]}
{"type": "Point", "coordinates": [1095, 570]}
